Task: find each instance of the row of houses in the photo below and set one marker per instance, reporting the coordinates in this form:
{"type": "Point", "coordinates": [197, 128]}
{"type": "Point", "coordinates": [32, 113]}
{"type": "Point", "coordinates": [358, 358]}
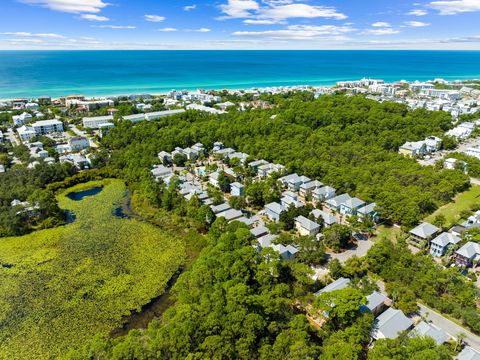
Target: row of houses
{"type": "Point", "coordinates": [430, 145]}
{"type": "Point", "coordinates": [99, 122]}
{"type": "Point", "coordinates": [427, 234]}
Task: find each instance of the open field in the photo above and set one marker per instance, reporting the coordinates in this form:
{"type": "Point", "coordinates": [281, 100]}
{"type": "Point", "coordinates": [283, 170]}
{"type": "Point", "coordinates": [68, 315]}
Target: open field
{"type": "Point", "coordinates": [60, 287]}
{"type": "Point", "coordinates": [462, 202]}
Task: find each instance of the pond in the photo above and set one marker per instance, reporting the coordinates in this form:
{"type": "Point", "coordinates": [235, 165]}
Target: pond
{"type": "Point", "coordinates": [79, 195]}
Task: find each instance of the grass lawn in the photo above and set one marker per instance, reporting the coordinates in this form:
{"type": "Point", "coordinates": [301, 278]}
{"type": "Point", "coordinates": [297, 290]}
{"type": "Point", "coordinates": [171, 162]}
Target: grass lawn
{"type": "Point", "coordinates": [60, 287]}
{"type": "Point", "coordinates": [463, 201]}
{"type": "Point", "coordinates": [388, 232]}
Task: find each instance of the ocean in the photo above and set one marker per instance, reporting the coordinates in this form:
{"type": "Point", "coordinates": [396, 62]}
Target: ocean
{"type": "Point", "coordinates": [96, 73]}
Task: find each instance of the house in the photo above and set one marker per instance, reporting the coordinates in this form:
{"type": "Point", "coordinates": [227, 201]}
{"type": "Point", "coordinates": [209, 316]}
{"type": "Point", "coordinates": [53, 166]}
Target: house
{"type": "Point", "coordinates": [217, 146]}
{"type": "Point", "coordinates": [231, 214]}
{"type": "Point", "coordinates": [339, 284]}
{"type": "Point", "coordinates": [2, 169]}
{"type": "Point", "coordinates": [433, 144]}
{"type": "Point", "coordinates": [26, 132]}
{"type": "Point", "coordinates": [95, 121]}
{"type": "Point", "coordinates": [165, 157]}
{"type": "Point", "coordinates": [44, 127]}
{"type": "Point", "coordinates": [237, 189]}
{"type": "Point", "coordinates": [217, 209]}
{"type": "Point", "coordinates": [468, 353]}
{"type": "Point", "coordinates": [412, 149]}
{"type": "Point", "coordinates": [307, 188]}
{"type": "Point", "coordinates": [80, 161]}
{"type": "Point", "coordinates": [255, 164]}
{"type": "Point", "coordinates": [213, 178]}
{"type": "Point", "coordinates": [390, 324]}
{"type": "Point", "coordinates": [286, 252]}
{"type": "Point", "coordinates": [22, 119]}
{"type": "Point", "coordinates": [306, 227]}
{"type": "Point", "coordinates": [259, 231]}
{"type": "Point", "coordinates": [78, 143]}
{"type": "Point", "coordinates": [287, 201]}
{"type": "Point", "coordinates": [455, 164]}
{"type": "Point", "coordinates": [424, 329]}
{"type": "Point", "coordinates": [377, 303]}
{"type": "Point", "coordinates": [423, 233]}
{"type": "Point", "coordinates": [269, 169]}
{"type": "Point", "coordinates": [350, 206]}
{"type": "Point", "coordinates": [335, 202]}
{"type": "Point", "coordinates": [247, 221]}
{"type": "Point", "coordinates": [468, 255]}
{"type": "Point", "coordinates": [328, 219]}
{"type": "Point", "coordinates": [159, 114]}
{"type": "Point", "coordinates": [273, 211]}
{"type": "Point", "coordinates": [458, 230]}
{"type": "Point", "coordinates": [161, 172]}
{"type": "Point", "coordinates": [440, 244]}
{"type": "Point", "coordinates": [323, 193]}
{"type": "Point", "coordinates": [368, 211]}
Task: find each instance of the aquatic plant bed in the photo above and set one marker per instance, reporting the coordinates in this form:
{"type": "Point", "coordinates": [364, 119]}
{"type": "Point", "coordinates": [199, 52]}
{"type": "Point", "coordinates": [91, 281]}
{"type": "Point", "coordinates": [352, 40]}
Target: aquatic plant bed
{"type": "Point", "coordinates": [65, 285]}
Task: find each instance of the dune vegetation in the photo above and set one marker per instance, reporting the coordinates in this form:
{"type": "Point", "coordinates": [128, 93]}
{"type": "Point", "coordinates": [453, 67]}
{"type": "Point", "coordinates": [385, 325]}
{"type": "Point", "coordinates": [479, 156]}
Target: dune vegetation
{"type": "Point", "coordinates": [60, 287]}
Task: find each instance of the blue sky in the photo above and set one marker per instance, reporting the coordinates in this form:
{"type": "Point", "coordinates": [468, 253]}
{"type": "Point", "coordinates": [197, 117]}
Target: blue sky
{"type": "Point", "coordinates": [240, 24]}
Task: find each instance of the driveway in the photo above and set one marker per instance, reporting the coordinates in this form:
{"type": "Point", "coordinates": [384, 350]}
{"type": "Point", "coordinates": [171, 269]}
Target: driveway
{"type": "Point", "coordinates": [359, 250]}
{"type": "Point", "coordinates": [13, 139]}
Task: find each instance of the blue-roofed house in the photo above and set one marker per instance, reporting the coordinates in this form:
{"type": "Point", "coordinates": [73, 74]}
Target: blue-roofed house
{"type": "Point", "coordinates": [390, 324]}
{"type": "Point", "coordinates": [340, 283]}
{"type": "Point", "coordinates": [273, 211]}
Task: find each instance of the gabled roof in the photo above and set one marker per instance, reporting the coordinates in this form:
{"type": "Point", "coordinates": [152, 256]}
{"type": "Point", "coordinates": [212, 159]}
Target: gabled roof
{"type": "Point", "coordinates": [354, 203]}
{"type": "Point", "coordinates": [337, 200]}
{"type": "Point", "coordinates": [311, 185]}
{"type": "Point", "coordinates": [425, 329]}
{"type": "Point", "coordinates": [374, 300]}
{"type": "Point", "coordinates": [237, 185]}
{"type": "Point", "coordinates": [275, 207]}
{"type": "Point", "coordinates": [424, 230]}
{"type": "Point", "coordinates": [367, 209]}
{"type": "Point", "coordinates": [469, 353]}
{"type": "Point", "coordinates": [338, 284]}
{"type": "Point", "coordinates": [444, 239]}
{"type": "Point", "coordinates": [259, 231]}
{"type": "Point", "coordinates": [391, 323]}
{"type": "Point", "coordinates": [307, 223]}
{"type": "Point", "coordinates": [231, 214]}
{"type": "Point", "coordinates": [220, 208]}
{"type": "Point", "coordinates": [328, 219]}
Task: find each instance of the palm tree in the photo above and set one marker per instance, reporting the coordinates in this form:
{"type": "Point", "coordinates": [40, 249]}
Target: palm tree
{"type": "Point", "coordinates": [460, 337]}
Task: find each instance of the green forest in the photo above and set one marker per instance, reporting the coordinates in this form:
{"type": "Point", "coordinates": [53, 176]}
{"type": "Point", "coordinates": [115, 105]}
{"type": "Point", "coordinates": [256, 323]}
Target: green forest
{"type": "Point", "coordinates": [349, 143]}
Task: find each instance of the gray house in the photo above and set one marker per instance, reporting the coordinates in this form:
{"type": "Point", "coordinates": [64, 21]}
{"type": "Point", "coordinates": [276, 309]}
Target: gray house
{"type": "Point", "coordinates": [423, 233]}
{"type": "Point", "coordinates": [440, 244]}
{"type": "Point", "coordinates": [390, 323]}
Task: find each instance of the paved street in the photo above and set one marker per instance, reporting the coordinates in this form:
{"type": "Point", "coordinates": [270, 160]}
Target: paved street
{"type": "Point", "coordinates": [449, 326]}
{"type": "Point", "coordinates": [464, 145]}
{"type": "Point", "coordinates": [12, 138]}
{"type": "Point", "coordinates": [84, 134]}
{"type": "Point", "coordinates": [360, 250]}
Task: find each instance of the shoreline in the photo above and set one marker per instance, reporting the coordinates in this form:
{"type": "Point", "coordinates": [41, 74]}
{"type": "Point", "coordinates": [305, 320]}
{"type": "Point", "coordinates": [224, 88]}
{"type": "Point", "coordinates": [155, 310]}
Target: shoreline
{"type": "Point", "coordinates": [285, 84]}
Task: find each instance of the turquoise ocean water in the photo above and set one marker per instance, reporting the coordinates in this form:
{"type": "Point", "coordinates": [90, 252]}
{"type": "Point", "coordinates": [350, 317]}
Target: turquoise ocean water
{"type": "Point", "coordinates": [57, 73]}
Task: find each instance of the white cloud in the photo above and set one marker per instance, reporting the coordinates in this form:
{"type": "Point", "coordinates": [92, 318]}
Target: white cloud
{"type": "Point", "coordinates": [128, 27]}
{"type": "Point", "coordinates": [301, 32]}
{"type": "Point", "coordinates": [28, 34]}
{"type": "Point", "coordinates": [277, 10]}
{"type": "Point", "coordinates": [239, 8]}
{"type": "Point", "coordinates": [381, 24]}
{"type": "Point", "coordinates": [284, 12]}
{"type": "Point", "coordinates": [417, 12]}
{"type": "Point", "coordinates": [381, 31]}
{"type": "Point", "coordinates": [262, 22]}
{"type": "Point", "coordinates": [453, 7]}
{"type": "Point", "coordinates": [154, 18]}
{"type": "Point", "coordinates": [30, 41]}
{"type": "Point", "coordinates": [70, 6]}
{"type": "Point", "coordinates": [415, 24]}
{"type": "Point", "coordinates": [168, 29]}
{"type": "Point", "coordinates": [202, 30]}
{"type": "Point", "coordinates": [93, 17]}
{"type": "Point", "coordinates": [190, 7]}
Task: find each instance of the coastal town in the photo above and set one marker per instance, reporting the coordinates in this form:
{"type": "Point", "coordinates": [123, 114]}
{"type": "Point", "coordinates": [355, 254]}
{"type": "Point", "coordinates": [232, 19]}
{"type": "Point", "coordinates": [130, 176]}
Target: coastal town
{"type": "Point", "coordinates": [295, 209]}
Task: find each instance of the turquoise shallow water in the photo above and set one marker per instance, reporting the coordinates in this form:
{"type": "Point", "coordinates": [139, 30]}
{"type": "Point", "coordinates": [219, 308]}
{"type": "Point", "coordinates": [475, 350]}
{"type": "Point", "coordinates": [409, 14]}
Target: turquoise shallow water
{"type": "Point", "coordinates": [57, 73]}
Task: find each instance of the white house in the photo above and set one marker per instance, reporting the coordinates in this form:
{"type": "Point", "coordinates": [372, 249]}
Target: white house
{"type": "Point", "coordinates": [96, 121]}
{"type": "Point", "coordinates": [306, 227]}
{"type": "Point", "coordinates": [26, 132]}
{"type": "Point", "coordinates": [47, 126]}
{"type": "Point", "coordinates": [237, 189]}
{"type": "Point", "coordinates": [22, 119]}
{"type": "Point", "coordinates": [78, 143]}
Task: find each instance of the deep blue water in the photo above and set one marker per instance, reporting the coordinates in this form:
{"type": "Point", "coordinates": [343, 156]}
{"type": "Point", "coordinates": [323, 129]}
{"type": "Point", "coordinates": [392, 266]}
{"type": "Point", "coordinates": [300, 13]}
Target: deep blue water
{"type": "Point", "coordinates": [57, 73]}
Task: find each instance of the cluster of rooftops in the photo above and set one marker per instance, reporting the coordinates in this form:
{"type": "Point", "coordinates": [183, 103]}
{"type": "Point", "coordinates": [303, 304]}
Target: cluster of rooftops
{"type": "Point", "coordinates": [295, 186]}
{"type": "Point", "coordinates": [390, 323]}
{"type": "Point", "coordinates": [427, 234]}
